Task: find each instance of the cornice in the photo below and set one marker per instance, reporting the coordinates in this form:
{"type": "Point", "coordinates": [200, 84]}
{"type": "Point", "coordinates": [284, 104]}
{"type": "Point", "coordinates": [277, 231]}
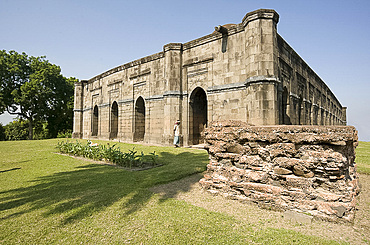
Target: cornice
{"type": "Point", "coordinates": [260, 14]}
{"type": "Point", "coordinates": [172, 46]}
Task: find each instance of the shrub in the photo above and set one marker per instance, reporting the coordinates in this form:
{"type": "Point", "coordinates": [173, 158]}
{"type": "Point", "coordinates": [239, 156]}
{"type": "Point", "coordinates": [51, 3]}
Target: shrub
{"type": "Point", "coordinates": [19, 130]}
{"type": "Point", "coordinates": [16, 130]}
{"type": "Point", "coordinates": [65, 134]}
{"type": "Point", "coordinates": [109, 153]}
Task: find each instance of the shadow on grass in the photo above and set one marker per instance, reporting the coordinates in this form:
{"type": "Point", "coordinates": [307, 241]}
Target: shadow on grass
{"type": "Point", "coordinates": [172, 189]}
{"type": "Point", "coordinates": [91, 188]}
{"type": "Point", "coordinates": [8, 170]}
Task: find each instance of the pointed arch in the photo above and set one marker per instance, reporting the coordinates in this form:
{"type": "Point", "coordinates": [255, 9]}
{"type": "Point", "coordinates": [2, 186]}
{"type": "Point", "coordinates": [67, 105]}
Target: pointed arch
{"type": "Point", "coordinates": [300, 110]}
{"type": "Point", "coordinates": [285, 106]}
{"type": "Point", "coordinates": [114, 120]}
{"type": "Point", "coordinates": [139, 132]}
{"type": "Point", "coordinates": [95, 121]}
{"type": "Point", "coordinates": [197, 115]}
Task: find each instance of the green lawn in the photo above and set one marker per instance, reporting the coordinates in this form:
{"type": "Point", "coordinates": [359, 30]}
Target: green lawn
{"type": "Point", "coordinates": [56, 199]}
{"type": "Point", "coordinates": [363, 157]}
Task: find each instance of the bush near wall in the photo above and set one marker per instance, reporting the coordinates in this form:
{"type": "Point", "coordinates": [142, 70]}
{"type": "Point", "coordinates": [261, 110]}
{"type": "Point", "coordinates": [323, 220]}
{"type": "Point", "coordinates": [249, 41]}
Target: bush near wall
{"type": "Point", "coordinates": [109, 153]}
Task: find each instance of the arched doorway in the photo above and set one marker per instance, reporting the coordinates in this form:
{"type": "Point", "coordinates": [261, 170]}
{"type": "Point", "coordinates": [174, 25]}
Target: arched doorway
{"type": "Point", "coordinates": [300, 110]}
{"type": "Point", "coordinates": [139, 119]}
{"type": "Point", "coordinates": [285, 107]}
{"type": "Point", "coordinates": [114, 121]}
{"type": "Point", "coordinates": [95, 121]}
{"type": "Point", "coordinates": [197, 115]}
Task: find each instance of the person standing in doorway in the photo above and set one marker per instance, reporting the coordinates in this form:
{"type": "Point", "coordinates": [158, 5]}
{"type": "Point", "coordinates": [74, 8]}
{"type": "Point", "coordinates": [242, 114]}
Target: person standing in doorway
{"type": "Point", "coordinates": [176, 131]}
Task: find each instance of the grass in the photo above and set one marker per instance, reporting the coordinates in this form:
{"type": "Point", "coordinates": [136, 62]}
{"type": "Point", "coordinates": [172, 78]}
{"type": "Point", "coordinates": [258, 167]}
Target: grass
{"type": "Point", "coordinates": [363, 157]}
{"type": "Point", "coordinates": [46, 198]}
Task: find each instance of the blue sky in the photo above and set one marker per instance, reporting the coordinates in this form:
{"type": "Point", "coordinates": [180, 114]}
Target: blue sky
{"type": "Point", "coordinates": [86, 38]}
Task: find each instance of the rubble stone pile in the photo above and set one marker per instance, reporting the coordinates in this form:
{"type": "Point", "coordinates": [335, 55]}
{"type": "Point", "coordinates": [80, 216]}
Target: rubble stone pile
{"type": "Point", "coordinates": [308, 169]}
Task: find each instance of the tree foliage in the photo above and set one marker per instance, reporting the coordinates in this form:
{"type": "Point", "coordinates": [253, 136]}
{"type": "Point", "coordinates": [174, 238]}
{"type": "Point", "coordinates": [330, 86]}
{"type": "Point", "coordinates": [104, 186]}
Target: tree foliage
{"type": "Point", "coordinates": [36, 91]}
{"type": "Point", "coordinates": [16, 130]}
{"type": "Point", "coordinates": [2, 132]}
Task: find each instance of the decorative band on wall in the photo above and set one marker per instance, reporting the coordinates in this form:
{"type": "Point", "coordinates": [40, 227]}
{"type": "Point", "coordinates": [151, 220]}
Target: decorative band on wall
{"type": "Point", "coordinates": [198, 61]}
{"type": "Point", "coordinates": [126, 101]}
{"type": "Point", "coordinates": [114, 81]}
{"type": "Point", "coordinates": [139, 84]}
{"type": "Point", "coordinates": [197, 72]}
{"type": "Point", "coordinates": [226, 88]}
{"type": "Point", "coordinates": [241, 85]}
{"type": "Point", "coordinates": [140, 73]}
{"type": "Point", "coordinates": [87, 109]}
{"type": "Point", "coordinates": [104, 105]}
{"type": "Point", "coordinates": [261, 79]}
{"type": "Point", "coordinates": [154, 97]}
{"type": "Point", "coordinates": [294, 95]}
{"type": "Point", "coordinates": [172, 94]}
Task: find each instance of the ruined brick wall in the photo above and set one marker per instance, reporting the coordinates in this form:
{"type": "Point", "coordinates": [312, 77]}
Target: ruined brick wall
{"type": "Point", "coordinates": [309, 169]}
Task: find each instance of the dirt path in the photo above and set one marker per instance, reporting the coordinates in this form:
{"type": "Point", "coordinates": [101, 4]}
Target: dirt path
{"type": "Point", "coordinates": [189, 190]}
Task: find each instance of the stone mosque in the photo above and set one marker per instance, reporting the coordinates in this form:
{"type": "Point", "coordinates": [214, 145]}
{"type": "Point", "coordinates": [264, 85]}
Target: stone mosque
{"type": "Point", "coordinates": [244, 72]}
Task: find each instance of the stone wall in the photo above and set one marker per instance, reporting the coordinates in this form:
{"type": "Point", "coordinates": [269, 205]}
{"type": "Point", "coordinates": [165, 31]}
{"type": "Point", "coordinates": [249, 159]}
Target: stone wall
{"type": "Point", "coordinates": [304, 98]}
{"type": "Point", "coordinates": [309, 169]}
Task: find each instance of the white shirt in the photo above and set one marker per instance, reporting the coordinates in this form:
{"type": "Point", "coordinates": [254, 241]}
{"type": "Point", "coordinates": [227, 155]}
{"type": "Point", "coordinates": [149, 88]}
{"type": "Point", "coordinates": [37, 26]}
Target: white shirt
{"type": "Point", "coordinates": [176, 129]}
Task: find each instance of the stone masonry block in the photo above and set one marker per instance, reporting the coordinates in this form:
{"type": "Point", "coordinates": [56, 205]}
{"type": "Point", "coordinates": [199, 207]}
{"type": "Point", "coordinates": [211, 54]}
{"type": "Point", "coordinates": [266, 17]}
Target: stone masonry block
{"type": "Point", "coordinates": [309, 169]}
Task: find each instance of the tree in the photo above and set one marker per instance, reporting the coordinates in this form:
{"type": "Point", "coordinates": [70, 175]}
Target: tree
{"type": "Point", "coordinates": [14, 71]}
{"type": "Point", "coordinates": [2, 132]}
{"type": "Point", "coordinates": [35, 90]}
{"type": "Point", "coordinates": [16, 130]}
{"type": "Point", "coordinates": [60, 118]}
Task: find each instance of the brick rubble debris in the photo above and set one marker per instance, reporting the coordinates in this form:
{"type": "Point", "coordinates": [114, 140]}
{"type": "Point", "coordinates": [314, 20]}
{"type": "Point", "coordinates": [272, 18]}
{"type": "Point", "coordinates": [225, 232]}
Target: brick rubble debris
{"type": "Point", "coordinates": [307, 169]}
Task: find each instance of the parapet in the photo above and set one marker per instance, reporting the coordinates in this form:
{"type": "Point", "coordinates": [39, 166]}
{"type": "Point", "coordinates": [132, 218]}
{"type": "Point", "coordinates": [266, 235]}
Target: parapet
{"type": "Point", "coordinates": [261, 14]}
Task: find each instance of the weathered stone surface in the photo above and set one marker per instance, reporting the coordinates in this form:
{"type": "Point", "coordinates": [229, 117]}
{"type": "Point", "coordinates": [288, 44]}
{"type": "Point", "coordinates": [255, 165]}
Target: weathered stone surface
{"type": "Point", "coordinates": [286, 162]}
{"type": "Point", "coordinates": [300, 168]}
{"type": "Point", "coordinates": [234, 148]}
{"type": "Point", "coordinates": [251, 160]}
{"type": "Point", "coordinates": [279, 170]}
{"type": "Point", "coordinates": [340, 210]}
{"type": "Point", "coordinates": [281, 149]}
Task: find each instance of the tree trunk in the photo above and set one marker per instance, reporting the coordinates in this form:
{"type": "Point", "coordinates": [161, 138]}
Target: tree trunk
{"type": "Point", "coordinates": [30, 129]}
